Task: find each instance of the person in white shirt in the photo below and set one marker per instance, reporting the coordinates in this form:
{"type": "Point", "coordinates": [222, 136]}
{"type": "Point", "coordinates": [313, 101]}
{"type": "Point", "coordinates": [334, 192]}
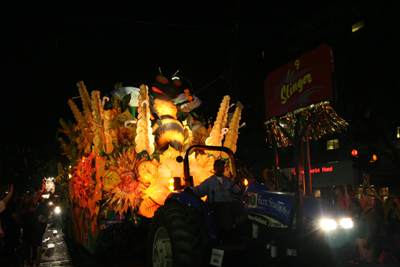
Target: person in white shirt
{"type": "Point", "coordinates": [218, 187]}
{"type": "Point", "coordinates": [223, 196]}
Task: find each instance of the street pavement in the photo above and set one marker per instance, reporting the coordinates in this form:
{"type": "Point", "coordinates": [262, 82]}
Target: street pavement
{"type": "Point", "coordinates": [57, 250]}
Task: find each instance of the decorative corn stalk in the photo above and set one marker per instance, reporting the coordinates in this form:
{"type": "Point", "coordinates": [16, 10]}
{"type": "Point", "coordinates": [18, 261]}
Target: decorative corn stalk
{"type": "Point", "coordinates": [65, 147]}
{"type": "Point", "coordinates": [97, 123]}
{"type": "Point", "coordinates": [216, 136]}
{"type": "Point", "coordinates": [86, 102]}
{"type": "Point", "coordinates": [64, 125]}
{"type": "Point", "coordinates": [233, 133]}
{"type": "Point", "coordinates": [80, 119]}
{"type": "Point", "coordinates": [144, 134]}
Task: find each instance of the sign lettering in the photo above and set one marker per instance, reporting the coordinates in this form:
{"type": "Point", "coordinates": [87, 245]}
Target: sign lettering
{"type": "Point", "coordinates": [318, 170]}
{"type": "Point", "coordinates": [270, 203]}
{"type": "Point", "coordinates": [289, 89]}
{"type": "Point", "coordinates": [260, 220]}
{"type": "Point", "coordinates": [300, 83]}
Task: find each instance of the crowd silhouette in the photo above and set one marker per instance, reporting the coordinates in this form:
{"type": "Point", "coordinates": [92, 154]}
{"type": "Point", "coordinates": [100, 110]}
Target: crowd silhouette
{"type": "Point", "coordinates": [375, 239]}
{"type": "Point", "coordinates": [24, 221]}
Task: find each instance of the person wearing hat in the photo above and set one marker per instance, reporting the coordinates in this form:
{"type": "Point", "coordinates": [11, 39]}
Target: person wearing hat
{"type": "Point", "coordinates": [218, 187]}
{"type": "Point", "coordinates": [222, 195]}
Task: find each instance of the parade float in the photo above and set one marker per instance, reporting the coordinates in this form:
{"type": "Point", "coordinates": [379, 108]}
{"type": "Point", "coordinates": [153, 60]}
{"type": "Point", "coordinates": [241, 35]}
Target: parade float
{"type": "Point", "coordinates": [123, 149]}
{"type": "Point", "coordinates": [273, 227]}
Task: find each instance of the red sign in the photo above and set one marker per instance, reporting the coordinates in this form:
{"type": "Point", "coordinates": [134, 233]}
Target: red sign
{"type": "Point", "coordinates": [318, 170]}
{"type": "Point", "coordinates": [300, 83]}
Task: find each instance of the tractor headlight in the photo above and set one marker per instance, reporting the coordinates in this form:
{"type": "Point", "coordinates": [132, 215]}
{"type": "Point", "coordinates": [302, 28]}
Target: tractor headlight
{"type": "Point", "coordinates": [346, 223]}
{"type": "Point", "coordinates": [328, 225]}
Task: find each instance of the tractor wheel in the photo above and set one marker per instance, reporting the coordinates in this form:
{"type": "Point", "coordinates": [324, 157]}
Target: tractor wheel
{"type": "Point", "coordinates": [177, 237]}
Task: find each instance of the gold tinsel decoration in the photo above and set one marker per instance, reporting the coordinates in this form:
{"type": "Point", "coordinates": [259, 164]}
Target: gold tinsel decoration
{"type": "Point", "coordinates": [325, 121]}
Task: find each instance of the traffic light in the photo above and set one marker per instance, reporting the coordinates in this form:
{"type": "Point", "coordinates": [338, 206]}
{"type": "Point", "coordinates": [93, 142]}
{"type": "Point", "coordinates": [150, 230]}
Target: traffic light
{"type": "Point", "coordinates": [356, 159]}
{"type": "Point", "coordinates": [373, 159]}
{"type": "Point", "coordinates": [365, 158]}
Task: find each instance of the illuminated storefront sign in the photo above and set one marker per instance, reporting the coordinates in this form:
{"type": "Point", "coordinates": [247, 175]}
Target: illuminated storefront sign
{"type": "Point", "coordinates": [328, 174]}
{"type": "Point", "coordinates": [300, 83]}
{"type": "Point", "coordinates": [323, 169]}
{"type": "Point", "coordinates": [318, 170]}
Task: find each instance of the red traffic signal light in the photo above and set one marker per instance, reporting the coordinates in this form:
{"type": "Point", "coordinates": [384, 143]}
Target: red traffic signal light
{"type": "Point", "coordinates": [354, 152]}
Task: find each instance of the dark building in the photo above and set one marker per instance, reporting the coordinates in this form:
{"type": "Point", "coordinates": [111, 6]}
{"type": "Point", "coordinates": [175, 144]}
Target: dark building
{"type": "Point", "coordinates": [363, 37]}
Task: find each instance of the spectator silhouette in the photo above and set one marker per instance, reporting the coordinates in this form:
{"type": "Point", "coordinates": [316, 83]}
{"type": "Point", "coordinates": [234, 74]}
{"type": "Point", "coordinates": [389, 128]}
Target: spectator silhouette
{"type": "Point", "coordinates": [3, 204]}
{"type": "Point", "coordinates": [12, 231]}
{"type": "Point", "coordinates": [27, 217]}
{"type": "Point", "coordinates": [368, 242]}
{"type": "Point", "coordinates": [342, 201]}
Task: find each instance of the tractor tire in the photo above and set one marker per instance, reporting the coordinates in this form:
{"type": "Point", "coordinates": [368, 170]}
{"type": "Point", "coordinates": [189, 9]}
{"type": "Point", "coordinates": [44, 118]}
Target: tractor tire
{"type": "Point", "coordinates": [177, 237]}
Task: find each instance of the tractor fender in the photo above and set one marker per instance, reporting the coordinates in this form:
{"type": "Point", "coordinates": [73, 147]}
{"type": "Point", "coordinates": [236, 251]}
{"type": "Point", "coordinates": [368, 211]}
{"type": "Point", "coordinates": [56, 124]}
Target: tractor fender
{"type": "Point", "coordinates": [185, 199]}
{"type": "Point", "coordinates": [193, 201]}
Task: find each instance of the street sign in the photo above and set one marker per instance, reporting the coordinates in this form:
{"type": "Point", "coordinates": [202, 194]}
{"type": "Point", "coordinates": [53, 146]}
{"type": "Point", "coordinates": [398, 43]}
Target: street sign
{"type": "Point", "coordinates": [300, 83]}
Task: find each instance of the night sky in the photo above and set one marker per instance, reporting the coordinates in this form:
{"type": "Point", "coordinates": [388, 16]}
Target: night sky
{"type": "Point", "coordinates": [47, 47]}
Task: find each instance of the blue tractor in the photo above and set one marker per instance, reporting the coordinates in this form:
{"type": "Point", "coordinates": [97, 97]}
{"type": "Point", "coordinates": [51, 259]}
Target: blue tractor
{"type": "Point", "coordinates": [184, 231]}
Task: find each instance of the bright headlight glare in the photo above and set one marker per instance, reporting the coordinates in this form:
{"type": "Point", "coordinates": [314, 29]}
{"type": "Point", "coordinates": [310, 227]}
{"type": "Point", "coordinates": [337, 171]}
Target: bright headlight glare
{"type": "Point", "coordinates": [57, 209]}
{"type": "Point", "coordinates": [346, 223]}
{"type": "Point", "coordinates": [328, 225]}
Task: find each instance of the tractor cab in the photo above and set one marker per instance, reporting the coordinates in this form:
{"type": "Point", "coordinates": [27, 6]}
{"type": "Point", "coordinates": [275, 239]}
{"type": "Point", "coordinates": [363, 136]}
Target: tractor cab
{"type": "Point", "coordinates": [187, 231]}
{"type": "Point", "coordinates": [225, 215]}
